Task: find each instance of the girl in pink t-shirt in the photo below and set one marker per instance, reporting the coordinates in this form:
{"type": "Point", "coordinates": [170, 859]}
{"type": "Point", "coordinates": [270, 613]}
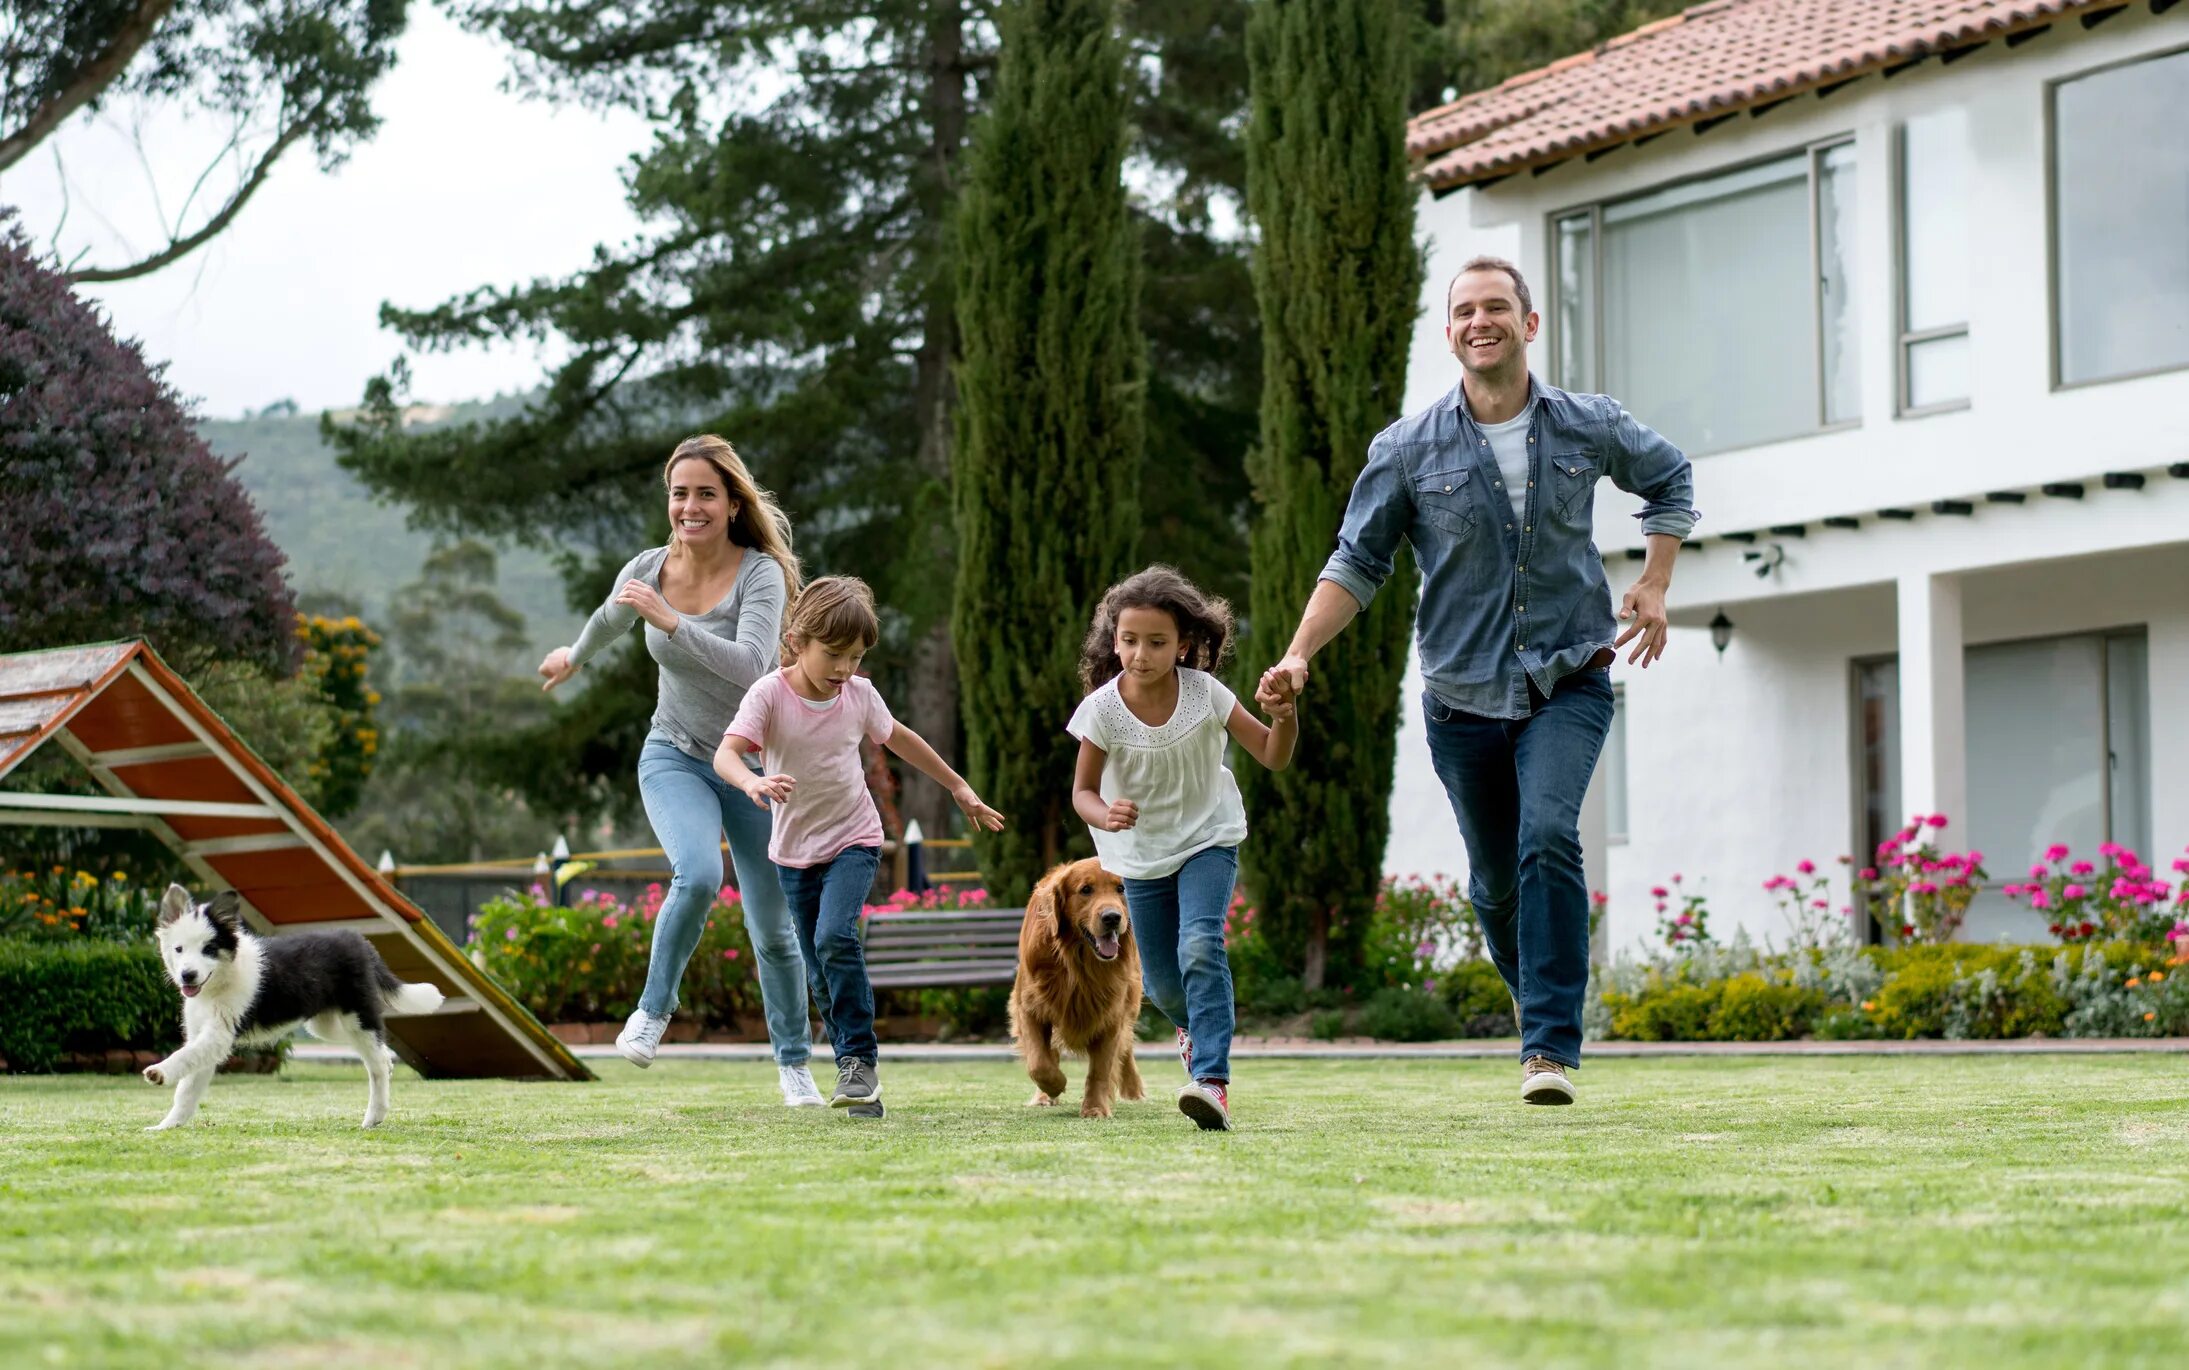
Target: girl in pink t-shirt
{"type": "Point", "coordinates": [806, 720]}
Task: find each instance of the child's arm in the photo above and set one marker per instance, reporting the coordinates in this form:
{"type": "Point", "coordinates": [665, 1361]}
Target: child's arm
{"type": "Point", "coordinates": [1272, 746]}
{"type": "Point", "coordinates": [729, 763]}
{"type": "Point", "coordinates": [913, 748]}
{"type": "Point", "coordinates": [1087, 800]}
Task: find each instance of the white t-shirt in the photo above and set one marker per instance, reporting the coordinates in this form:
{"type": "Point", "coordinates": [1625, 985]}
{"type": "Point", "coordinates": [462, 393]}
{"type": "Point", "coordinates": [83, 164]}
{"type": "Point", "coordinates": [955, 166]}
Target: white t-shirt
{"type": "Point", "coordinates": [1175, 773]}
{"type": "Point", "coordinates": [1509, 444]}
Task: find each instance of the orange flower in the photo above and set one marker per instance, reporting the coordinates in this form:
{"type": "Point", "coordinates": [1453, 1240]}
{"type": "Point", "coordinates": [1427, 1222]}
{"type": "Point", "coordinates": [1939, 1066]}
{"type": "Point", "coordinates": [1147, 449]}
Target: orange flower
{"type": "Point", "coordinates": [2148, 1017]}
{"type": "Point", "coordinates": [2134, 983]}
{"type": "Point", "coordinates": [1867, 1006]}
{"type": "Point", "coordinates": [2156, 976]}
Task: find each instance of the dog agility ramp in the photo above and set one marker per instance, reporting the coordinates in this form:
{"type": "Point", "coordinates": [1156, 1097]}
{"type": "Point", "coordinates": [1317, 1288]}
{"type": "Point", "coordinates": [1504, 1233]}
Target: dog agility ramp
{"type": "Point", "coordinates": [170, 766]}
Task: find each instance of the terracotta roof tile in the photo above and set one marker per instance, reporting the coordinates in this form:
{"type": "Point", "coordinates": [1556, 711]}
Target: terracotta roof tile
{"type": "Point", "coordinates": [1711, 59]}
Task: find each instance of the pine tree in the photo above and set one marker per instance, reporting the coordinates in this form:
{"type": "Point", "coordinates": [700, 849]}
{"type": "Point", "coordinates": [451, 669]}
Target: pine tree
{"type": "Point", "coordinates": [1051, 413]}
{"type": "Point", "coordinates": [1339, 279]}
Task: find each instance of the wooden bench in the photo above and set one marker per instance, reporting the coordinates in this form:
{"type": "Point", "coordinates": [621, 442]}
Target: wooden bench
{"type": "Point", "coordinates": [923, 948]}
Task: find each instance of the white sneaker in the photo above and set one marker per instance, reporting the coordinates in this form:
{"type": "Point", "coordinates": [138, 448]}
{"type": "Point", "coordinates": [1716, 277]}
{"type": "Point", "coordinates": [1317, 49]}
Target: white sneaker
{"type": "Point", "coordinates": [640, 1036]}
{"type": "Point", "coordinates": [1543, 1081]}
{"type": "Point", "coordinates": [799, 1090]}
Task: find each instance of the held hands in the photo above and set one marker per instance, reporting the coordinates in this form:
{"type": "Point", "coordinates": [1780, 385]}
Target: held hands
{"type": "Point", "coordinates": [557, 668]}
{"type": "Point", "coordinates": [1643, 611]}
{"type": "Point", "coordinates": [763, 788]}
{"type": "Point", "coordinates": [649, 603]}
{"type": "Point", "coordinates": [1123, 814]}
{"type": "Point", "coordinates": [980, 813]}
{"type": "Point", "coordinates": [1281, 687]}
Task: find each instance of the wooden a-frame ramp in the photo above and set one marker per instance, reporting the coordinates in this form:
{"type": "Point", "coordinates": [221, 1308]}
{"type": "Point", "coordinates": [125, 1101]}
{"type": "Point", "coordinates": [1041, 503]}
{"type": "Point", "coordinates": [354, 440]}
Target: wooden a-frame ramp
{"type": "Point", "coordinates": [171, 767]}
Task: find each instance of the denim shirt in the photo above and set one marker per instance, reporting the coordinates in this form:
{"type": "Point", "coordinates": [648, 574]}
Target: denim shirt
{"type": "Point", "coordinates": [1505, 601]}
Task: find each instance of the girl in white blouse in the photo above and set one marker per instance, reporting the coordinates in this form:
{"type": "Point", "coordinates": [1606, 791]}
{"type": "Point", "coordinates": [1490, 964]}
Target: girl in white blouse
{"type": "Point", "coordinates": [1164, 810]}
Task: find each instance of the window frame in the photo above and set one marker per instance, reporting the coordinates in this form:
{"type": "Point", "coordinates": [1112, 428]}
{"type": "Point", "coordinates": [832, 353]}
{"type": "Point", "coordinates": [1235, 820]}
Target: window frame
{"type": "Point", "coordinates": [1905, 338]}
{"type": "Point", "coordinates": [2055, 319]}
{"type": "Point", "coordinates": [1623, 834]}
{"type": "Point", "coordinates": [1812, 153]}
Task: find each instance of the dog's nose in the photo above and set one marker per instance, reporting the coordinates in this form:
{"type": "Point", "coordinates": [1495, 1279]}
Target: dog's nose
{"type": "Point", "coordinates": [189, 977]}
{"type": "Point", "coordinates": [1110, 919]}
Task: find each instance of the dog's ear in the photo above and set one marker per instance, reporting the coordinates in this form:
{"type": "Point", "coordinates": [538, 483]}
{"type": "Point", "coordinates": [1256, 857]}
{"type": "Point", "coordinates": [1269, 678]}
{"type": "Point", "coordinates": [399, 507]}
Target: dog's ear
{"type": "Point", "coordinates": [226, 910]}
{"type": "Point", "coordinates": [173, 904]}
{"type": "Point", "coordinates": [1046, 903]}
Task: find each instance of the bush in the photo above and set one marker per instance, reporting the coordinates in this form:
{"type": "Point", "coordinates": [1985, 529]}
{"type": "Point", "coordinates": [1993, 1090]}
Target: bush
{"type": "Point", "coordinates": [587, 962]}
{"type": "Point", "coordinates": [1327, 1026]}
{"type": "Point", "coordinates": [83, 995]}
{"type": "Point", "coordinates": [1479, 1001]}
{"type": "Point", "coordinates": [1752, 1008]}
{"type": "Point", "coordinates": [1405, 1015]}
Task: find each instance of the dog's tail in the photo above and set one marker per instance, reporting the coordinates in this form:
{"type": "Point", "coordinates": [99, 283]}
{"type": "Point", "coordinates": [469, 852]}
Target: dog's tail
{"type": "Point", "coordinates": [412, 999]}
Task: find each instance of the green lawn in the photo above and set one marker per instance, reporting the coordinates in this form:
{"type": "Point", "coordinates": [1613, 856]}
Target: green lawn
{"type": "Point", "coordinates": [1981, 1211]}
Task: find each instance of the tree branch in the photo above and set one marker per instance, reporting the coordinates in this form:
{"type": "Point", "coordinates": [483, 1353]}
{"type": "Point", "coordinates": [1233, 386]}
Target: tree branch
{"type": "Point", "coordinates": [178, 248]}
{"type": "Point", "coordinates": [93, 77]}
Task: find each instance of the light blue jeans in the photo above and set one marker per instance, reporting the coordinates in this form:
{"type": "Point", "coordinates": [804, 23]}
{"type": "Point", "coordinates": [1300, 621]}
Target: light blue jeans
{"type": "Point", "coordinates": [692, 810]}
{"type": "Point", "coordinates": [1178, 920]}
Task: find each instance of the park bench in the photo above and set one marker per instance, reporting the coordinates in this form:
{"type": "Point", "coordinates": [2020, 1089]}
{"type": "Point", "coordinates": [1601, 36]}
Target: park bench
{"type": "Point", "coordinates": [925, 948]}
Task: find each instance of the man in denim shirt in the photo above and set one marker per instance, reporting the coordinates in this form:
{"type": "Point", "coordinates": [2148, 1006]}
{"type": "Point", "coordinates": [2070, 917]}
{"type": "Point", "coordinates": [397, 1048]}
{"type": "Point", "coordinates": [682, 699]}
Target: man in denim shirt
{"type": "Point", "coordinates": [1494, 486]}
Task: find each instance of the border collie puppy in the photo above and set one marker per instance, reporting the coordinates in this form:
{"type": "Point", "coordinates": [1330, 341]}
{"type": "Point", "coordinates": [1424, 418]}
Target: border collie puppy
{"type": "Point", "coordinates": [238, 989]}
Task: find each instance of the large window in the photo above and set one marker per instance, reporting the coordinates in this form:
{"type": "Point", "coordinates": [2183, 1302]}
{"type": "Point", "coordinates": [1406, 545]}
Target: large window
{"type": "Point", "coordinates": [2059, 750]}
{"type": "Point", "coordinates": [1934, 270]}
{"type": "Point", "coordinates": [1720, 311]}
{"type": "Point", "coordinates": [2120, 204]}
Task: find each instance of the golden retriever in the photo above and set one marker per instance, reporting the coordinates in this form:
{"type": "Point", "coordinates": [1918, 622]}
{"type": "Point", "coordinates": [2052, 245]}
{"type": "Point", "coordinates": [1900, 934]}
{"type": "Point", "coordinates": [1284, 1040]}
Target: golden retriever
{"type": "Point", "coordinates": [1078, 987]}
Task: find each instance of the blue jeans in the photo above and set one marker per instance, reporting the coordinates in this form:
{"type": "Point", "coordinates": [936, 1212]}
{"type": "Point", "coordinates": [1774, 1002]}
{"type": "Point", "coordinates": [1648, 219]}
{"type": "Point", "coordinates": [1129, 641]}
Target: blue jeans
{"type": "Point", "coordinates": [1516, 786]}
{"type": "Point", "coordinates": [1178, 920]}
{"type": "Point", "coordinates": [824, 903]}
{"type": "Point", "coordinates": [692, 810]}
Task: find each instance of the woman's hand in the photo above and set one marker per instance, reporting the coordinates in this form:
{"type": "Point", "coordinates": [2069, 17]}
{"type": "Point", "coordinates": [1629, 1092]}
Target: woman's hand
{"type": "Point", "coordinates": [1123, 814]}
{"type": "Point", "coordinates": [649, 603]}
{"type": "Point", "coordinates": [980, 813]}
{"type": "Point", "coordinates": [557, 668]}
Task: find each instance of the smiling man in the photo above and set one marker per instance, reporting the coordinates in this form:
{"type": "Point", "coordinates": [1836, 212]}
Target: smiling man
{"type": "Point", "coordinates": [1494, 486]}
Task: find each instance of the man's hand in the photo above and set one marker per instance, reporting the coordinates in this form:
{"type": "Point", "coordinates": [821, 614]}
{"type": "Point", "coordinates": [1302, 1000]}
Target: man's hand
{"type": "Point", "coordinates": [1643, 611]}
{"type": "Point", "coordinates": [763, 788]}
{"type": "Point", "coordinates": [980, 813]}
{"type": "Point", "coordinates": [1282, 684]}
{"type": "Point", "coordinates": [1123, 814]}
{"type": "Point", "coordinates": [649, 603]}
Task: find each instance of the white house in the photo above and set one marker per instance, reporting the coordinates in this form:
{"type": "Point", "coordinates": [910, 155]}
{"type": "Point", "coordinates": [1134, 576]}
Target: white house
{"type": "Point", "coordinates": [1909, 281]}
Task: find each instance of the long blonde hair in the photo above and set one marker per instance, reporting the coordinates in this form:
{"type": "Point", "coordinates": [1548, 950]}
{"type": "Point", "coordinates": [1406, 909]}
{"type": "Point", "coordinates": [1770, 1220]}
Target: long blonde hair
{"type": "Point", "coordinates": [760, 523]}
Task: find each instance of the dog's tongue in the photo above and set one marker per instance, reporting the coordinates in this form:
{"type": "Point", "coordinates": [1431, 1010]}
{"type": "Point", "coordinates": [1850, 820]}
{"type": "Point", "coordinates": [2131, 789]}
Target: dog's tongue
{"type": "Point", "coordinates": [1106, 945]}
{"type": "Point", "coordinates": [191, 991]}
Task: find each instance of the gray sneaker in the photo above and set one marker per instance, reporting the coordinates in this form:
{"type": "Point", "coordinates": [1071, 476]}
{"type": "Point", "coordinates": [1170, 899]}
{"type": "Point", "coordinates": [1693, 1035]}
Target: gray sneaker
{"type": "Point", "coordinates": [856, 1083]}
{"type": "Point", "coordinates": [864, 1111]}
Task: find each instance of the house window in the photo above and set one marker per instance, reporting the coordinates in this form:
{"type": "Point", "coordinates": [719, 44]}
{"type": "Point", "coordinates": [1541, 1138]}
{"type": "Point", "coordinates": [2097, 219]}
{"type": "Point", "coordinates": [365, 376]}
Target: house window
{"type": "Point", "coordinates": [1615, 769]}
{"type": "Point", "coordinates": [1720, 311]}
{"type": "Point", "coordinates": [2059, 750]}
{"type": "Point", "coordinates": [1934, 281]}
{"type": "Point", "coordinates": [2120, 206]}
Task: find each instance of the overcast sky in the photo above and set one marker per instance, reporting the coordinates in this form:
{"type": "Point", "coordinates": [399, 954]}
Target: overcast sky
{"type": "Point", "coordinates": [463, 186]}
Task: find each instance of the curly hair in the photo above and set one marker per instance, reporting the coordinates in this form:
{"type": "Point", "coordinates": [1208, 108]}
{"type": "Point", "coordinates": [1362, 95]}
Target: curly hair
{"type": "Point", "coordinates": [1204, 624]}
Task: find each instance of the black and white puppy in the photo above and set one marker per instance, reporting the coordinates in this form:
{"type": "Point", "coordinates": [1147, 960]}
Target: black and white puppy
{"type": "Point", "coordinates": [238, 989]}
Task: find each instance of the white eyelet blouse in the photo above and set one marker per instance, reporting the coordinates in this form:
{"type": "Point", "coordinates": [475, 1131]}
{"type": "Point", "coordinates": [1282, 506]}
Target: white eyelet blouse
{"type": "Point", "coordinates": [1175, 772]}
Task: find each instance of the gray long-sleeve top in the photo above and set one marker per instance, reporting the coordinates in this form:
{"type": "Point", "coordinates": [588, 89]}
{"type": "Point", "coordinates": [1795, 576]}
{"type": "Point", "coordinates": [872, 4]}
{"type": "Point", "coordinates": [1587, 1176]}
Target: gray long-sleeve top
{"type": "Point", "coordinates": [711, 659]}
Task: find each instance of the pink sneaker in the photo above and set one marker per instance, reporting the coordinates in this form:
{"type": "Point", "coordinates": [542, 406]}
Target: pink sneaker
{"type": "Point", "coordinates": [1206, 1102]}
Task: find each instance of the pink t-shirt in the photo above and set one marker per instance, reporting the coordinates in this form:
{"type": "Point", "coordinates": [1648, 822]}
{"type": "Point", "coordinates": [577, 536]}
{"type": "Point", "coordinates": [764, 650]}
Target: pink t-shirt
{"type": "Point", "coordinates": [816, 745]}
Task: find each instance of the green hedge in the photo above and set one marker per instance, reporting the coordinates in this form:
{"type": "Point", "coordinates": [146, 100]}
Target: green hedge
{"type": "Point", "coordinates": [83, 996]}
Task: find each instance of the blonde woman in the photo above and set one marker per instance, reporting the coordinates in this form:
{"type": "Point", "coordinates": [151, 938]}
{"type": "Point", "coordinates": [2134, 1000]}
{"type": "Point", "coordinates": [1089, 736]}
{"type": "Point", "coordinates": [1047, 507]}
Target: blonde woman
{"type": "Point", "coordinates": [712, 601]}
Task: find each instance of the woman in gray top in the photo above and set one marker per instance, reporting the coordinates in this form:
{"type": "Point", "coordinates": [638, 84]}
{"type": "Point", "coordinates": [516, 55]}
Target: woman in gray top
{"type": "Point", "coordinates": [713, 603]}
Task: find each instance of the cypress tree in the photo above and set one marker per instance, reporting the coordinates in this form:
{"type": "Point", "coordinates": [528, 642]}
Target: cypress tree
{"type": "Point", "coordinates": [1050, 413]}
{"type": "Point", "coordinates": [1338, 278]}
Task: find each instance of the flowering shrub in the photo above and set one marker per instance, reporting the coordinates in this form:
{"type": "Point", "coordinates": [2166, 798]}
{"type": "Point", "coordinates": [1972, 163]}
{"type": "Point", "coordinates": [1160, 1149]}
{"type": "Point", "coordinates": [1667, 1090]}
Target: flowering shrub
{"type": "Point", "coordinates": [2121, 901]}
{"type": "Point", "coordinates": [1918, 893]}
{"type": "Point", "coordinates": [1806, 905]}
{"type": "Point", "coordinates": [60, 903]}
{"type": "Point", "coordinates": [1420, 928]}
{"type": "Point", "coordinates": [587, 961]}
{"type": "Point", "coordinates": [1689, 927]}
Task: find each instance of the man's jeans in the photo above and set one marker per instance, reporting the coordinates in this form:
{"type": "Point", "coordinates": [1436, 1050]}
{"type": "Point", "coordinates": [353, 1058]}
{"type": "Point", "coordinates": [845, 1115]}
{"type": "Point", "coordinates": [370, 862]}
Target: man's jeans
{"type": "Point", "coordinates": [825, 901]}
{"type": "Point", "coordinates": [1516, 785]}
{"type": "Point", "coordinates": [1178, 920]}
{"type": "Point", "coordinates": [692, 810]}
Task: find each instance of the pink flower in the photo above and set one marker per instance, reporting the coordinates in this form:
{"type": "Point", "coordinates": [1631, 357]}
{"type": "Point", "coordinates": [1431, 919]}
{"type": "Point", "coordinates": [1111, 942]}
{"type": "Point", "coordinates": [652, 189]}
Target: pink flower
{"type": "Point", "coordinates": [1659, 892]}
{"type": "Point", "coordinates": [1806, 867]}
{"type": "Point", "coordinates": [729, 954]}
{"type": "Point", "coordinates": [2040, 900]}
{"type": "Point", "coordinates": [2073, 892]}
{"type": "Point", "coordinates": [2038, 872]}
{"type": "Point", "coordinates": [1599, 897]}
{"type": "Point", "coordinates": [2109, 848]}
{"type": "Point", "coordinates": [1675, 877]}
{"type": "Point", "coordinates": [1684, 919]}
{"type": "Point", "coordinates": [2011, 891]}
{"type": "Point", "coordinates": [2058, 852]}
{"type": "Point", "coordinates": [1869, 872]}
{"type": "Point", "coordinates": [509, 934]}
{"type": "Point", "coordinates": [1936, 820]}
{"type": "Point", "coordinates": [2082, 868]}
{"type": "Point", "coordinates": [596, 949]}
{"type": "Point", "coordinates": [1824, 903]}
{"type": "Point", "coordinates": [1922, 887]}
{"type": "Point", "coordinates": [608, 921]}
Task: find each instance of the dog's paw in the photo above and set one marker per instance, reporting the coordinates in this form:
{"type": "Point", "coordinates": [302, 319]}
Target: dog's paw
{"type": "Point", "coordinates": [153, 1075]}
{"type": "Point", "coordinates": [163, 1127]}
{"type": "Point", "coordinates": [1041, 1099]}
{"type": "Point", "coordinates": [1134, 1091]}
{"type": "Point", "coordinates": [1092, 1109]}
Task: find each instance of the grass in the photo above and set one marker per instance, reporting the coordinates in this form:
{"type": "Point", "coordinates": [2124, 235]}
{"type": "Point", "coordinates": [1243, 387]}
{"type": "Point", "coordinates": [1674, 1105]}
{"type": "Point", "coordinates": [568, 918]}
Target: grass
{"type": "Point", "coordinates": [1997, 1212]}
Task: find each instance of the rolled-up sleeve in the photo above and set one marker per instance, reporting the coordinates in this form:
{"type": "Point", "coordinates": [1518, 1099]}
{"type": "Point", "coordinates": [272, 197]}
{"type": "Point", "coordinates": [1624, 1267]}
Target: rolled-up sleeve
{"type": "Point", "coordinates": [1641, 461]}
{"type": "Point", "coordinates": [1377, 515]}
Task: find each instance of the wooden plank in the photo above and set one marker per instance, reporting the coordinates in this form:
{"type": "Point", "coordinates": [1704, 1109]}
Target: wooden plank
{"type": "Point", "coordinates": [912, 955]}
{"type": "Point", "coordinates": [141, 756]}
{"type": "Point", "coordinates": [61, 668]}
{"type": "Point", "coordinates": [128, 714]}
{"type": "Point", "coordinates": [1004, 943]}
{"type": "Point", "coordinates": [1012, 916]}
{"type": "Point", "coordinates": [921, 980]}
{"type": "Point", "coordinates": [29, 715]}
{"type": "Point", "coordinates": [189, 777]}
{"type": "Point", "coordinates": [92, 803]}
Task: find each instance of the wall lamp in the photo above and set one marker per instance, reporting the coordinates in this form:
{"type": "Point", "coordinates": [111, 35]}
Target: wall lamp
{"type": "Point", "coordinates": [1721, 632]}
